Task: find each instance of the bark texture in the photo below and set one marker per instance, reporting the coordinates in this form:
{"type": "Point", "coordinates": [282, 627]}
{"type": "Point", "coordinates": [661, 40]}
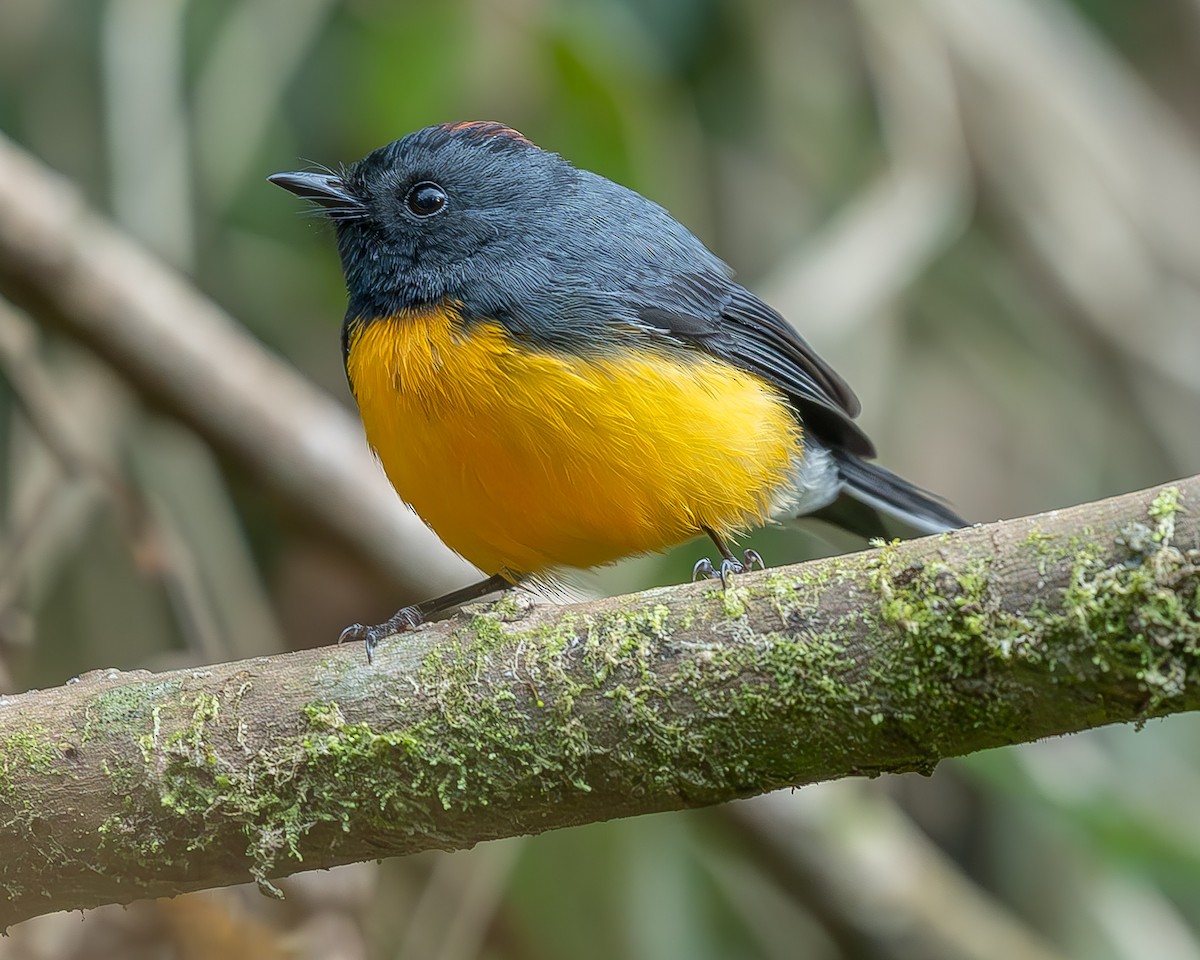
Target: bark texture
{"type": "Point", "coordinates": [517, 719]}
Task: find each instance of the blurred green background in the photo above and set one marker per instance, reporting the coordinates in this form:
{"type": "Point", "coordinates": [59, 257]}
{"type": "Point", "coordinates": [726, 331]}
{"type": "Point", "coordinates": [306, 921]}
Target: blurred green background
{"type": "Point", "coordinates": [985, 213]}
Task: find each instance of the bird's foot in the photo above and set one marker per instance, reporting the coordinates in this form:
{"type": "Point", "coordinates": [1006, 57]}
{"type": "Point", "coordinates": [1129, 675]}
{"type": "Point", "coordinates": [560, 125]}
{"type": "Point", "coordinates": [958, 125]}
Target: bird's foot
{"type": "Point", "coordinates": [730, 565]}
{"type": "Point", "coordinates": [404, 619]}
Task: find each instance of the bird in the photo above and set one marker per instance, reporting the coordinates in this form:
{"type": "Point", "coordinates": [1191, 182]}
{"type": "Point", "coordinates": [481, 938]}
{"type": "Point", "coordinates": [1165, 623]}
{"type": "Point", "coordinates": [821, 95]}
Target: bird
{"type": "Point", "coordinates": [555, 373]}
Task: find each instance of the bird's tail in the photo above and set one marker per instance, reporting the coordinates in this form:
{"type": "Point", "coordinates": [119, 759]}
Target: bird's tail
{"type": "Point", "coordinates": [874, 502]}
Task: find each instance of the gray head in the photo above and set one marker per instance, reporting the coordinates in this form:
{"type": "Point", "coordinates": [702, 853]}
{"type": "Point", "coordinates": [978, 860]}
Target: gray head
{"type": "Point", "coordinates": [475, 213]}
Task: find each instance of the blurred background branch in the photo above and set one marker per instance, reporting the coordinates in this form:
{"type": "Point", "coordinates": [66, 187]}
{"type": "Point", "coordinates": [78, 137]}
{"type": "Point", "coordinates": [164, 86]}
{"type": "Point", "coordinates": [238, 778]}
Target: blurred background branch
{"type": "Point", "coordinates": [74, 272]}
{"type": "Point", "coordinates": [880, 887]}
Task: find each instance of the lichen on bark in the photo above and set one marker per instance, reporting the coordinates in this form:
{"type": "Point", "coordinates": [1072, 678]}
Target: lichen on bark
{"type": "Point", "coordinates": [518, 718]}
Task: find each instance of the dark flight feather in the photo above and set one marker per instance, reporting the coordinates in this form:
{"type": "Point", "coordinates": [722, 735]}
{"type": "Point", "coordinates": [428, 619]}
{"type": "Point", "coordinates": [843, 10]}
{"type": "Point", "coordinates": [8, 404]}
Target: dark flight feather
{"type": "Point", "coordinates": [723, 318]}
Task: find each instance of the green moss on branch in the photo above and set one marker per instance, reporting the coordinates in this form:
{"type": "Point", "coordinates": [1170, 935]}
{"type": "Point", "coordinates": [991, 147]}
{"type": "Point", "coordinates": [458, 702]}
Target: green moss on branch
{"type": "Point", "coordinates": [517, 719]}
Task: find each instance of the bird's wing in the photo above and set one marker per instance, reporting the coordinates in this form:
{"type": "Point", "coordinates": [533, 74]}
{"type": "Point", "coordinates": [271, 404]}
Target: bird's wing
{"type": "Point", "coordinates": [724, 319]}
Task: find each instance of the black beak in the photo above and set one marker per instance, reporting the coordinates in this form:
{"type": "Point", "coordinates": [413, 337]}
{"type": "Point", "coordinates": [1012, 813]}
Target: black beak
{"type": "Point", "coordinates": [323, 188]}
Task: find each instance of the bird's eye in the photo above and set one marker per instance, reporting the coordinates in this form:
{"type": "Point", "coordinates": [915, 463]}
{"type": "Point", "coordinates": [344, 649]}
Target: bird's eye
{"type": "Point", "coordinates": [425, 199]}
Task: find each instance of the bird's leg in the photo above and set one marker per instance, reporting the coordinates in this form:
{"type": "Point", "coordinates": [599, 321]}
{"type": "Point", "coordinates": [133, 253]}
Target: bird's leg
{"type": "Point", "coordinates": [729, 563]}
{"type": "Point", "coordinates": [408, 617]}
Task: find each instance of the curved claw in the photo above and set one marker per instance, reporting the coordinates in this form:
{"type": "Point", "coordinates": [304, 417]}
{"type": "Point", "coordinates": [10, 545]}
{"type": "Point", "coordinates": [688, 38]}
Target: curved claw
{"type": "Point", "coordinates": [730, 566]}
{"type": "Point", "coordinates": [705, 569]}
{"type": "Point", "coordinates": [404, 619]}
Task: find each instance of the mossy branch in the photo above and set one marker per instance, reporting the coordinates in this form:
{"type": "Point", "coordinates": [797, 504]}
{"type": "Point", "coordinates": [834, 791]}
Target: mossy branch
{"type": "Point", "coordinates": [519, 719]}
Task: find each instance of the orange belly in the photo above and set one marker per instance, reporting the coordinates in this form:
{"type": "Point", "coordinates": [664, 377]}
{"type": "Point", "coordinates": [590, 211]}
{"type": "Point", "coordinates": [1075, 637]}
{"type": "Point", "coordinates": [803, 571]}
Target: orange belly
{"type": "Point", "coordinates": [522, 461]}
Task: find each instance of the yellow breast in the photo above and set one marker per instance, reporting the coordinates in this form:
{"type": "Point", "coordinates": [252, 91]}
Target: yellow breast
{"type": "Point", "coordinates": [523, 460]}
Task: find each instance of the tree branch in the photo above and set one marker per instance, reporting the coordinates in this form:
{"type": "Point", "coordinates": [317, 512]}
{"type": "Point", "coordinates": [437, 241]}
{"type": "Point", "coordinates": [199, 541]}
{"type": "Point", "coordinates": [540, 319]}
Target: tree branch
{"type": "Point", "coordinates": [880, 887]}
{"type": "Point", "coordinates": [519, 719]}
{"type": "Point", "coordinates": [69, 268]}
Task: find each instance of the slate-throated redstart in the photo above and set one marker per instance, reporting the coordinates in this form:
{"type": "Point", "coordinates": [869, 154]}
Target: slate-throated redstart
{"type": "Point", "coordinates": [556, 373]}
